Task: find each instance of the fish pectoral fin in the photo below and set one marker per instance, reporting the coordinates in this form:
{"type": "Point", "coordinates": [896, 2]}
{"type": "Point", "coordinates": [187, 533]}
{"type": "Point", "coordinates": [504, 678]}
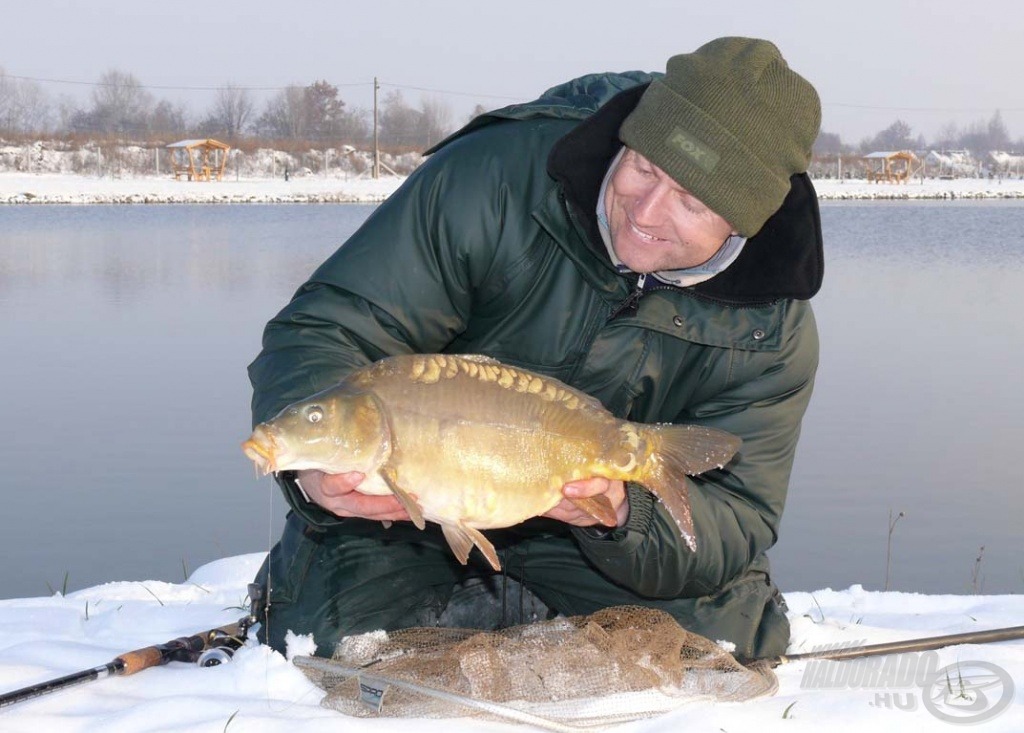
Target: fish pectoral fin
{"type": "Point", "coordinates": [407, 502]}
{"type": "Point", "coordinates": [599, 507]}
{"type": "Point", "coordinates": [462, 538]}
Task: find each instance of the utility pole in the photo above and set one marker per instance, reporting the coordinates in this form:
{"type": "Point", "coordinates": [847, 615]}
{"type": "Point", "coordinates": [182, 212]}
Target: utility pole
{"type": "Point", "coordinates": [376, 148]}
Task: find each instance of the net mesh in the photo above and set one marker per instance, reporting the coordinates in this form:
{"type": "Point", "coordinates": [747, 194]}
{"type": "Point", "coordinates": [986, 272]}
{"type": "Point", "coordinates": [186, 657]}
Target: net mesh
{"type": "Point", "coordinates": [617, 664]}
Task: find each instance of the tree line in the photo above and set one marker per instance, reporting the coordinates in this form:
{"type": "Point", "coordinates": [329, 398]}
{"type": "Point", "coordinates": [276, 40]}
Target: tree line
{"type": "Point", "coordinates": [978, 138]}
{"type": "Point", "coordinates": [121, 107]}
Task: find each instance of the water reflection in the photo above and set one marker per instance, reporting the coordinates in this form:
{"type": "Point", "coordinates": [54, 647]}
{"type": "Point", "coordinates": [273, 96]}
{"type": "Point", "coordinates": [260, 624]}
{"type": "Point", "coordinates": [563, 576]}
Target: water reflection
{"type": "Point", "coordinates": [917, 406]}
{"type": "Point", "coordinates": [126, 335]}
{"type": "Point", "coordinates": [130, 252]}
{"type": "Point", "coordinates": [126, 332]}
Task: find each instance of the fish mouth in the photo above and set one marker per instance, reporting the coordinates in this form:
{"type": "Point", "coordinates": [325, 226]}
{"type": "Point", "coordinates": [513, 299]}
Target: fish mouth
{"type": "Point", "coordinates": [262, 449]}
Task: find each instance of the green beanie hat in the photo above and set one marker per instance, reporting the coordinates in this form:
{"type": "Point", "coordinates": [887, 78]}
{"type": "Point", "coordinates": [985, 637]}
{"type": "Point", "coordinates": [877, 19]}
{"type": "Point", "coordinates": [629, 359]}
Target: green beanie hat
{"type": "Point", "coordinates": [730, 123]}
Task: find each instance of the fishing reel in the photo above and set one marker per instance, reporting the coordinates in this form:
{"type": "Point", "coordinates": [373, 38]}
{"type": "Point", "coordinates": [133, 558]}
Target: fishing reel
{"type": "Point", "coordinates": [221, 644]}
{"type": "Point", "coordinates": [220, 648]}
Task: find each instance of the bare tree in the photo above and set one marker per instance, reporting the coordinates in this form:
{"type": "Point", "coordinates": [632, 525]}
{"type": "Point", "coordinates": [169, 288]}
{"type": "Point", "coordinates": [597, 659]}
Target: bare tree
{"type": "Point", "coordinates": [828, 143]}
{"type": "Point", "coordinates": [354, 126]}
{"type": "Point", "coordinates": [168, 120]}
{"type": "Point", "coordinates": [284, 115]}
{"type": "Point", "coordinates": [400, 124]}
{"type": "Point", "coordinates": [998, 136]}
{"type": "Point", "coordinates": [120, 105]}
{"type": "Point", "coordinates": [435, 120]}
{"type": "Point", "coordinates": [6, 102]}
{"type": "Point", "coordinates": [66, 111]}
{"type": "Point", "coordinates": [24, 106]}
{"type": "Point", "coordinates": [949, 137]}
{"type": "Point", "coordinates": [232, 110]}
{"type": "Point", "coordinates": [896, 136]}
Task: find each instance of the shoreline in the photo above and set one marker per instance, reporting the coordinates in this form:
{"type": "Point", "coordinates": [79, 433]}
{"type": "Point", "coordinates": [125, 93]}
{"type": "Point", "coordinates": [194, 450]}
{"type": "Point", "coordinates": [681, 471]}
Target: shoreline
{"type": "Point", "coordinates": [68, 189]}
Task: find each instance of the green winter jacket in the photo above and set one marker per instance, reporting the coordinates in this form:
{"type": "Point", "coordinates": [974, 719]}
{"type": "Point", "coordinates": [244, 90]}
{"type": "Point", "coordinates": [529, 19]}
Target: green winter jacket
{"type": "Point", "coordinates": [491, 247]}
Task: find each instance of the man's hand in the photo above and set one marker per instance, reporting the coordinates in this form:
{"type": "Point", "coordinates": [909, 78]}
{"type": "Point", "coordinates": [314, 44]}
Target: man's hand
{"type": "Point", "coordinates": [337, 494]}
{"type": "Point", "coordinates": [613, 491]}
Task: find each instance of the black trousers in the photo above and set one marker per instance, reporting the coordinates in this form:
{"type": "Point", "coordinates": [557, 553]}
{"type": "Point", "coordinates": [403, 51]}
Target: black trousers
{"type": "Point", "coordinates": [360, 577]}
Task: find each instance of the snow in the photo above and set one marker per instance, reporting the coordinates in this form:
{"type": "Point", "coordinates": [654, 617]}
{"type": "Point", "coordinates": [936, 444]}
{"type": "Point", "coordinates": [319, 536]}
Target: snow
{"type": "Point", "coordinates": [55, 188]}
{"type": "Point", "coordinates": [43, 638]}
{"type": "Point", "coordinates": [68, 188]}
{"type": "Point", "coordinates": [929, 188]}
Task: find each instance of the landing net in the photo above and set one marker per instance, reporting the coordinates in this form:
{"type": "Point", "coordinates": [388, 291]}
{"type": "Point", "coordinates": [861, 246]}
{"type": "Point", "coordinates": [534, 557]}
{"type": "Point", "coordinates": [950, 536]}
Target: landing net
{"type": "Point", "coordinates": [616, 665]}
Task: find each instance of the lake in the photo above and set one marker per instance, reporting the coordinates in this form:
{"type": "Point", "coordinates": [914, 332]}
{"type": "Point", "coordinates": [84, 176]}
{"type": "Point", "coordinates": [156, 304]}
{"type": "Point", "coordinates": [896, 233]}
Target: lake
{"type": "Point", "coordinates": [125, 333]}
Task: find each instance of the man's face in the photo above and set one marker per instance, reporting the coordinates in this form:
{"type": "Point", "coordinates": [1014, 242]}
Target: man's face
{"type": "Point", "coordinates": [656, 224]}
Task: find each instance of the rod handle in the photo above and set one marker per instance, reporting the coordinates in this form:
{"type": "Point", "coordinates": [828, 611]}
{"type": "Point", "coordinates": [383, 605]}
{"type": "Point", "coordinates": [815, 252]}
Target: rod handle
{"type": "Point", "coordinates": [140, 659]}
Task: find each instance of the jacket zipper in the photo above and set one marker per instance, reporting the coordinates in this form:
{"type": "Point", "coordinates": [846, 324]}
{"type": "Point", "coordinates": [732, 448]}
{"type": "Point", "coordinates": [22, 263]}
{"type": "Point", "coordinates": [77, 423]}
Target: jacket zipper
{"type": "Point", "coordinates": [632, 301]}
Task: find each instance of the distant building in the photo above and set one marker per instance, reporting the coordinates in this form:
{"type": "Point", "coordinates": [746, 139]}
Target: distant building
{"type": "Point", "coordinates": [199, 160]}
{"type": "Point", "coordinates": [890, 166]}
{"type": "Point", "coordinates": [1006, 163]}
{"type": "Point", "coordinates": [951, 164]}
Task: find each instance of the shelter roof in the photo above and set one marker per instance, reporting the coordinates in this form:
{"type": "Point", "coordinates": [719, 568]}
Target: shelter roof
{"type": "Point", "coordinates": [890, 154]}
{"type": "Point", "coordinates": [209, 142]}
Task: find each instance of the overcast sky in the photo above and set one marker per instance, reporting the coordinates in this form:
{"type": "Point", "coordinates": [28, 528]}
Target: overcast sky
{"type": "Point", "coordinates": [928, 63]}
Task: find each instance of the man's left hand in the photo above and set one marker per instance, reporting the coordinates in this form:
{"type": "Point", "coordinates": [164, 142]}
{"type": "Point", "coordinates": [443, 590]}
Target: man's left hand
{"type": "Point", "coordinates": [613, 491]}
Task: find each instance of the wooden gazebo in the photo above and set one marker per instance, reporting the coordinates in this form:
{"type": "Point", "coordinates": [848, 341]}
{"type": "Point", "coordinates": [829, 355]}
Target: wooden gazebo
{"type": "Point", "coordinates": [199, 160]}
{"type": "Point", "coordinates": [891, 167]}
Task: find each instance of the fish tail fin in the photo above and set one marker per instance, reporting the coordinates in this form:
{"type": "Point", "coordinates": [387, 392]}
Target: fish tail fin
{"type": "Point", "coordinates": [678, 451]}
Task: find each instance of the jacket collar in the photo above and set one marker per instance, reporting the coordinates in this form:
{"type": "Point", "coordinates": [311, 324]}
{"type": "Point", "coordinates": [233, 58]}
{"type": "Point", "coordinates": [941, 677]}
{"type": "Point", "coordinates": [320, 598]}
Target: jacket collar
{"type": "Point", "coordinates": [783, 260]}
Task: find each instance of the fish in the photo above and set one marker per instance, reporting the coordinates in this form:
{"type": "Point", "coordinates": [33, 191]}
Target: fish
{"type": "Point", "coordinates": [471, 444]}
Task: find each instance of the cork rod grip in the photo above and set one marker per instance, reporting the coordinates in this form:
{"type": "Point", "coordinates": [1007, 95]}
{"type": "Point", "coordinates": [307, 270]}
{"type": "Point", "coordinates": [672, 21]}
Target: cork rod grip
{"type": "Point", "coordinates": [141, 659]}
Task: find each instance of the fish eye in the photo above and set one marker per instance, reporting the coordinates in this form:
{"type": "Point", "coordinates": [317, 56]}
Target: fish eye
{"type": "Point", "coordinates": [314, 414]}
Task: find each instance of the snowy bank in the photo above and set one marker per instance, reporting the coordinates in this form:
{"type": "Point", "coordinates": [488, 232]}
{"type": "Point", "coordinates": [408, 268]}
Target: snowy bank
{"type": "Point", "coordinates": [20, 188]}
{"type": "Point", "coordinates": [929, 188]}
{"type": "Point", "coordinates": [55, 188]}
{"type": "Point", "coordinates": [42, 638]}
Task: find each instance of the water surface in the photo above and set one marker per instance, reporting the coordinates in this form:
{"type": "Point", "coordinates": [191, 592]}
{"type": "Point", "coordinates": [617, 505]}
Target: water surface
{"type": "Point", "coordinates": [125, 333]}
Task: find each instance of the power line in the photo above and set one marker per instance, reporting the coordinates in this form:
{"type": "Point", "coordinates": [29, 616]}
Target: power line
{"type": "Point", "coordinates": [452, 92]}
{"type": "Point", "coordinates": [174, 88]}
{"type": "Point", "coordinates": [177, 88]}
{"type": "Point", "coordinates": [924, 109]}
{"type": "Point", "coordinates": [449, 91]}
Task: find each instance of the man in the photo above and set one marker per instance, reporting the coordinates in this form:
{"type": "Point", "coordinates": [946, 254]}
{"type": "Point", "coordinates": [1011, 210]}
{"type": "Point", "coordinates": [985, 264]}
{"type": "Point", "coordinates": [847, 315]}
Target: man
{"type": "Point", "coordinates": [653, 247]}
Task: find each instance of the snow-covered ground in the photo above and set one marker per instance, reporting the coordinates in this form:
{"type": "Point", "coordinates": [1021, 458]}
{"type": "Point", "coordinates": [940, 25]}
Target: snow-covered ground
{"type": "Point", "coordinates": [42, 638]}
{"type": "Point", "coordinates": [929, 188]}
{"type": "Point", "coordinates": [55, 188]}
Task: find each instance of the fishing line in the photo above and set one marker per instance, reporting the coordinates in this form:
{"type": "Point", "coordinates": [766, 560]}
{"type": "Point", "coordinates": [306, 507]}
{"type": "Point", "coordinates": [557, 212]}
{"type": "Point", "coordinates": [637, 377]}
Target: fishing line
{"type": "Point", "coordinates": [265, 614]}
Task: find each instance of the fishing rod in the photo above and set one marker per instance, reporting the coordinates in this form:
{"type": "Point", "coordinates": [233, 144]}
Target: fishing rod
{"type": "Point", "coordinates": [924, 644]}
{"type": "Point", "coordinates": [207, 649]}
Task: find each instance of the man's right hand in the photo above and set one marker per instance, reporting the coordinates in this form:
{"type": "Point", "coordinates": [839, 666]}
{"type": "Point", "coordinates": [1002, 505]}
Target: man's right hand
{"type": "Point", "coordinates": [337, 494]}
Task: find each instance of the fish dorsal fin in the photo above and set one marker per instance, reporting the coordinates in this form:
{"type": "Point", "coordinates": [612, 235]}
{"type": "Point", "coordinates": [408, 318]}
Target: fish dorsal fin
{"type": "Point", "coordinates": [462, 538]}
{"type": "Point", "coordinates": [509, 375]}
{"type": "Point", "coordinates": [479, 358]}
